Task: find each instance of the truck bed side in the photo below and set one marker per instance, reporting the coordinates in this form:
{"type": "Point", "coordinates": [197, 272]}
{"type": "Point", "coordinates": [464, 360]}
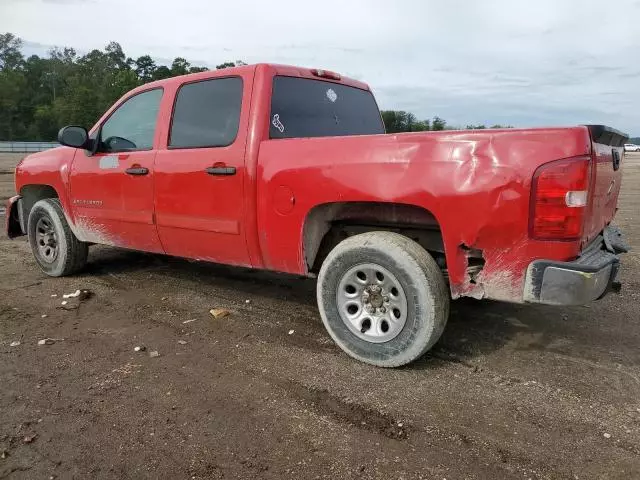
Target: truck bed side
{"type": "Point", "coordinates": [475, 184]}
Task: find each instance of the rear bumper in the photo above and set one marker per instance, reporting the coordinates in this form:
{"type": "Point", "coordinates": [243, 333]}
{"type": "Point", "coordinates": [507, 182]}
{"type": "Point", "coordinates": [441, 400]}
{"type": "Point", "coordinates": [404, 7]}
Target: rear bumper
{"type": "Point", "coordinates": [588, 278]}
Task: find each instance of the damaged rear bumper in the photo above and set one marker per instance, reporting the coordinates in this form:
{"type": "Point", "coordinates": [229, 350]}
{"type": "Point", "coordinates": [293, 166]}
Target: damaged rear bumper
{"type": "Point", "coordinates": [591, 276]}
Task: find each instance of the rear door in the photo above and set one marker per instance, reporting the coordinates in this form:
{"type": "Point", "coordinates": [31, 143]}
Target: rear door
{"type": "Point", "coordinates": [112, 191]}
{"type": "Point", "coordinates": [200, 174]}
{"type": "Point", "coordinates": [608, 157]}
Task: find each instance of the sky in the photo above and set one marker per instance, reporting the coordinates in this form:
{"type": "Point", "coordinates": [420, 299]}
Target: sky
{"type": "Point", "coordinates": [516, 62]}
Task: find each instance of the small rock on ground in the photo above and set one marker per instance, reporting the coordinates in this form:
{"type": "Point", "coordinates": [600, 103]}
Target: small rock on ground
{"type": "Point", "coordinates": [219, 312]}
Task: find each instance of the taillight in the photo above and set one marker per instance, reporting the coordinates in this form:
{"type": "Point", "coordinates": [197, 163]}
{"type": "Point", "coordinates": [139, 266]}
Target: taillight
{"type": "Point", "coordinates": [559, 197]}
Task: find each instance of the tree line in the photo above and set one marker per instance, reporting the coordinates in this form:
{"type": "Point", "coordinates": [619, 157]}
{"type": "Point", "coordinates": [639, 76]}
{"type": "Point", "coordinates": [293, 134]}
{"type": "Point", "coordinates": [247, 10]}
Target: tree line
{"type": "Point", "coordinates": [38, 95]}
{"type": "Point", "coordinates": [398, 121]}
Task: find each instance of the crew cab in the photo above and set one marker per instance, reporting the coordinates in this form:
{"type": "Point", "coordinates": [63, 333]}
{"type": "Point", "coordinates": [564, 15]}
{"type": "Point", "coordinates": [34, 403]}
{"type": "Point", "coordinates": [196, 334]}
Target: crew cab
{"type": "Point", "coordinates": [289, 169]}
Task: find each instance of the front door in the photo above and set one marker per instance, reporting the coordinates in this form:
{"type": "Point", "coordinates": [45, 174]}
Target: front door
{"type": "Point", "coordinates": [200, 174]}
{"type": "Point", "coordinates": [112, 191]}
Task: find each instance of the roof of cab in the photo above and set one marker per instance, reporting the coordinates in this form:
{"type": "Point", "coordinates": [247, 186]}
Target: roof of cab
{"type": "Point", "coordinates": [285, 70]}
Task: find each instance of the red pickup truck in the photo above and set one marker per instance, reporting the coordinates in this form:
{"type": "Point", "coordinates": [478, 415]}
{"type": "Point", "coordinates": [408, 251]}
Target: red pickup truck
{"type": "Point", "coordinates": [289, 169]}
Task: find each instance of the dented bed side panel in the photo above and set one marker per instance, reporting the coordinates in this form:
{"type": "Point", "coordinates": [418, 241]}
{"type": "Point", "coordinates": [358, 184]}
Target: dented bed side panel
{"type": "Point", "coordinates": [475, 183]}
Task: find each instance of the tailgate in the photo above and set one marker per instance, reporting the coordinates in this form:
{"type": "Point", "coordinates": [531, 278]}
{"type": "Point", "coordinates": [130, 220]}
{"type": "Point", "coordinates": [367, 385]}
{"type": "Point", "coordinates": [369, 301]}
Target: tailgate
{"type": "Point", "coordinates": [607, 153]}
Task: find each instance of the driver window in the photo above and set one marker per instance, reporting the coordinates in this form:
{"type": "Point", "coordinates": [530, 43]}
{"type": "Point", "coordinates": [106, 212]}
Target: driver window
{"type": "Point", "coordinates": [133, 124]}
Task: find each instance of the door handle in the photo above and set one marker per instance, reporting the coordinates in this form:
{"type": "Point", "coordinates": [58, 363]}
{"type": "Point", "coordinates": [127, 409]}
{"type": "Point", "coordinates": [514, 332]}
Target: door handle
{"type": "Point", "coordinates": [137, 171]}
{"type": "Point", "coordinates": [221, 170]}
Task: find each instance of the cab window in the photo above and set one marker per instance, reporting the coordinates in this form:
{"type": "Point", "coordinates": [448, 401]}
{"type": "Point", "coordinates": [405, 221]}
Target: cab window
{"type": "Point", "coordinates": [207, 114]}
{"type": "Point", "coordinates": [132, 125]}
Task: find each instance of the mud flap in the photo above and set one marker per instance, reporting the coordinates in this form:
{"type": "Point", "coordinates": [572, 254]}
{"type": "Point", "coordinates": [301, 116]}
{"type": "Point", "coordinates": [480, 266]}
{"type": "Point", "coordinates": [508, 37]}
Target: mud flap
{"type": "Point", "coordinates": [15, 221]}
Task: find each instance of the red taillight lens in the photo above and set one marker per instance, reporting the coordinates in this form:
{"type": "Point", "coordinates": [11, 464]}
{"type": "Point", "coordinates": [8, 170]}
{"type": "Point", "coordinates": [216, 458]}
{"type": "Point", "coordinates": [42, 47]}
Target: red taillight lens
{"type": "Point", "coordinates": [559, 197]}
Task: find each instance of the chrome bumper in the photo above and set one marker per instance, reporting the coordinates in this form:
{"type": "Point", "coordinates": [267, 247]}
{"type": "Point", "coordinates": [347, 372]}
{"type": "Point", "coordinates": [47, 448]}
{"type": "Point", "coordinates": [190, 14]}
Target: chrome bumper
{"type": "Point", "coordinates": [590, 277]}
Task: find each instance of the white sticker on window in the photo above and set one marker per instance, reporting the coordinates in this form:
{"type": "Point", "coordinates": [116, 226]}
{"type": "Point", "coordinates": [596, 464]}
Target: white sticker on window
{"type": "Point", "coordinates": [332, 95]}
{"type": "Point", "coordinates": [277, 123]}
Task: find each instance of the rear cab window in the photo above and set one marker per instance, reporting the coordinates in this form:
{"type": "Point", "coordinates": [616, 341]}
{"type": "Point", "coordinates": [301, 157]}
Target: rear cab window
{"type": "Point", "coordinates": [304, 107]}
{"type": "Point", "coordinates": [206, 113]}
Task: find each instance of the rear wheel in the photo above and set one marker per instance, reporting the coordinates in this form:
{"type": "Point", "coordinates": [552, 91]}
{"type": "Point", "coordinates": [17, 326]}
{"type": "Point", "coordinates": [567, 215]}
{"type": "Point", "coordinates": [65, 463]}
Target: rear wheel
{"type": "Point", "coordinates": [56, 249]}
{"type": "Point", "coordinates": [382, 298]}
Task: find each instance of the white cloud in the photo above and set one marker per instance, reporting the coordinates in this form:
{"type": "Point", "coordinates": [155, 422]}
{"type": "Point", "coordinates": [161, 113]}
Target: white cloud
{"type": "Point", "coordinates": [508, 61]}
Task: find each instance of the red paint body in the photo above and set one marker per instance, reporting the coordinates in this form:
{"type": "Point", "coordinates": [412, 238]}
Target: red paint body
{"type": "Point", "coordinates": [477, 185]}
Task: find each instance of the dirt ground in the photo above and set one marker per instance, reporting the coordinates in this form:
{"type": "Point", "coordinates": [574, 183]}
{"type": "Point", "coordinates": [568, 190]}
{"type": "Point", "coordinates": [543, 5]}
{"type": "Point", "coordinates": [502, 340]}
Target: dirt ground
{"type": "Point", "coordinates": [511, 391]}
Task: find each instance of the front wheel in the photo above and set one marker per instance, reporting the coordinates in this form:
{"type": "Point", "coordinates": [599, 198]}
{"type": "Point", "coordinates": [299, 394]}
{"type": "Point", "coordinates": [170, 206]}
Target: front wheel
{"type": "Point", "coordinates": [382, 298]}
{"type": "Point", "coordinates": [56, 249]}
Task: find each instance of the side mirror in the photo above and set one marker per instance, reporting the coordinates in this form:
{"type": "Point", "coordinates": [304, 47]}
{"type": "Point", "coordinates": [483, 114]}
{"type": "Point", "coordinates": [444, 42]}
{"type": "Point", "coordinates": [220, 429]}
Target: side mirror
{"type": "Point", "coordinates": [118, 144]}
{"type": "Point", "coordinates": [73, 136]}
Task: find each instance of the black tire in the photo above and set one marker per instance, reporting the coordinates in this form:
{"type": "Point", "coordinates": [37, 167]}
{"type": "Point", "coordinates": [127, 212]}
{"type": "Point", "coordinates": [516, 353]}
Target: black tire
{"type": "Point", "coordinates": [70, 253]}
{"type": "Point", "coordinates": [426, 292]}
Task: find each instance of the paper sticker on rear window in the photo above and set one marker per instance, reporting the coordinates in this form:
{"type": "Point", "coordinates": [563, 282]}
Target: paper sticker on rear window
{"type": "Point", "coordinates": [332, 95]}
{"type": "Point", "coordinates": [277, 123]}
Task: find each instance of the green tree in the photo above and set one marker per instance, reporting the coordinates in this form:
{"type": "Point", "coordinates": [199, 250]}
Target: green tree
{"type": "Point", "coordinates": [421, 126]}
{"type": "Point", "coordinates": [116, 56]}
{"type": "Point", "coordinates": [162, 72]}
{"type": "Point", "coordinates": [225, 65]}
{"type": "Point", "coordinates": [438, 124]}
{"type": "Point", "coordinates": [13, 123]}
{"type": "Point", "coordinates": [397, 121]}
{"type": "Point", "coordinates": [10, 54]}
{"type": "Point", "coordinates": [145, 68]}
{"type": "Point", "coordinates": [180, 66]}
{"type": "Point", "coordinates": [38, 95]}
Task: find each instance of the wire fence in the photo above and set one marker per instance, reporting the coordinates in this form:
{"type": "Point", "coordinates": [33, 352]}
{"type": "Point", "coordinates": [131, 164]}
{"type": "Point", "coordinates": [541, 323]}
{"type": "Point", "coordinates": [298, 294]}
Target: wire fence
{"type": "Point", "coordinates": [26, 147]}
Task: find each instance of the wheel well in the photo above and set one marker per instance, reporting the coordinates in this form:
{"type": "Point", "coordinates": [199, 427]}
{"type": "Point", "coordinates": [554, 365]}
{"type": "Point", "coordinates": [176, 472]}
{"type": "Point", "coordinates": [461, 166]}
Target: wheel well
{"type": "Point", "coordinates": [328, 224]}
{"type": "Point", "coordinates": [33, 193]}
